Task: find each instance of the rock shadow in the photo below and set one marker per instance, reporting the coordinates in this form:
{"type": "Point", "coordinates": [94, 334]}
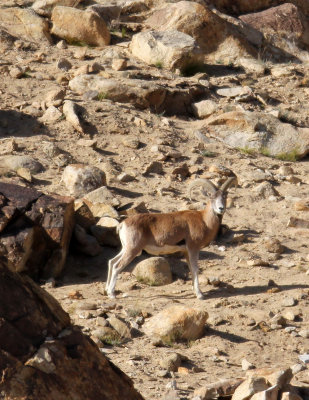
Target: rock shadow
{"type": "Point", "coordinates": [225, 335]}
{"type": "Point", "coordinates": [17, 123]}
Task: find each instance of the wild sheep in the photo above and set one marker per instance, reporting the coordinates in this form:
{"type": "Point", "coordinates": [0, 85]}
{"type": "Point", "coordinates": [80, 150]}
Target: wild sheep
{"type": "Point", "coordinates": [165, 233]}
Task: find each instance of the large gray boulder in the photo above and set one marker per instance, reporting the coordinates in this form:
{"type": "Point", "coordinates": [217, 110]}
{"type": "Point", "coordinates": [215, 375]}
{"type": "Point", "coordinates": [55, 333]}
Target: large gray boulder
{"type": "Point", "coordinates": [261, 132]}
{"type": "Point", "coordinates": [170, 49]}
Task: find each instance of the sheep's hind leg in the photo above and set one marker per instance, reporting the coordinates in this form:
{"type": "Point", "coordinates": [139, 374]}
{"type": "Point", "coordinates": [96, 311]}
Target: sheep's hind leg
{"type": "Point", "coordinates": [110, 268]}
{"type": "Point", "coordinates": [118, 266]}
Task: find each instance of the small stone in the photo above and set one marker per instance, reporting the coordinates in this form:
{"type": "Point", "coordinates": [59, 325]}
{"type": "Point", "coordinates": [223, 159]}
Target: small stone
{"type": "Point", "coordinates": [304, 358]}
{"type": "Point", "coordinates": [214, 280]}
{"type": "Point", "coordinates": [289, 329]}
{"type": "Point", "coordinates": [119, 64]}
{"type": "Point", "coordinates": [87, 143]}
{"type": "Point", "coordinates": [171, 362]}
{"type": "Point", "coordinates": [301, 205]}
{"type": "Point", "coordinates": [246, 365]}
{"type": "Point", "coordinates": [124, 177]}
{"type": "Point", "coordinates": [132, 143]}
{"type": "Point", "coordinates": [16, 72]}
{"type": "Point", "coordinates": [64, 64]}
{"type": "Point", "coordinates": [204, 108]}
{"type": "Point", "coordinates": [289, 302]}
{"type": "Point", "coordinates": [24, 173]}
{"type": "Point", "coordinates": [304, 333]}
{"type": "Point", "coordinates": [296, 368]}
{"type": "Point", "coordinates": [155, 167]}
{"type": "Point", "coordinates": [80, 53]}
{"type": "Point", "coordinates": [62, 44]}
{"type": "Point", "coordinates": [285, 170]}
{"type": "Point", "coordinates": [289, 315]}
{"type": "Point", "coordinates": [273, 245]}
{"type": "Point", "coordinates": [52, 114]}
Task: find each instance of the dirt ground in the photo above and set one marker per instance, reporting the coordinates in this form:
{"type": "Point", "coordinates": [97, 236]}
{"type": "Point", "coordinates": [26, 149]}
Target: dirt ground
{"type": "Point", "coordinates": [241, 307]}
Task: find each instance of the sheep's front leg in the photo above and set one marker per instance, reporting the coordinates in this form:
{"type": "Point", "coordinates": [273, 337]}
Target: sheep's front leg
{"type": "Point", "coordinates": [192, 259]}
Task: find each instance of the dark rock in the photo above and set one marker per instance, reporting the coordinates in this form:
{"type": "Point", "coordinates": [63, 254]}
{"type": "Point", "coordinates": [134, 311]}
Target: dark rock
{"type": "Point", "coordinates": [43, 356]}
{"type": "Point", "coordinates": [35, 230]}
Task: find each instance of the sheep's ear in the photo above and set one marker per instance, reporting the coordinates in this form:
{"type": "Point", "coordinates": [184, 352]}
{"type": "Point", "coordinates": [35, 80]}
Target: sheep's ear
{"type": "Point", "coordinates": [233, 180]}
{"type": "Point", "coordinates": [205, 184]}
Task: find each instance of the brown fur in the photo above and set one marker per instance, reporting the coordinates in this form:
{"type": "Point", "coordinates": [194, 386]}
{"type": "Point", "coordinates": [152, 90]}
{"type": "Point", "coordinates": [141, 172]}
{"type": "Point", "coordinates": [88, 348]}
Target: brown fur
{"type": "Point", "coordinates": [196, 228]}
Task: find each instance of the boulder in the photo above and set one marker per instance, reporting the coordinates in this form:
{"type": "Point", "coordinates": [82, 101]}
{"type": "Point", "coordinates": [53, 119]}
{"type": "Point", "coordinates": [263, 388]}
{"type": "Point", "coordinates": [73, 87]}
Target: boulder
{"type": "Point", "coordinates": [204, 108]}
{"type": "Point", "coordinates": [221, 389]}
{"type": "Point", "coordinates": [15, 162]}
{"type": "Point", "coordinates": [76, 25]}
{"type": "Point", "coordinates": [18, 20]}
{"type": "Point", "coordinates": [141, 93]}
{"type": "Point", "coordinates": [81, 179]}
{"type": "Point", "coordinates": [238, 7]}
{"type": "Point", "coordinates": [102, 195]}
{"type": "Point", "coordinates": [154, 271]}
{"type": "Point", "coordinates": [260, 132]}
{"type": "Point", "coordinates": [177, 323]}
{"type": "Point", "coordinates": [172, 97]}
{"type": "Point", "coordinates": [105, 231]}
{"type": "Point", "coordinates": [35, 230]}
{"type": "Point", "coordinates": [274, 376]}
{"type": "Point", "coordinates": [86, 243]}
{"type": "Point", "coordinates": [70, 110]}
{"type": "Point", "coordinates": [170, 49]}
{"type": "Point", "coordinates": [249, 387]}
{"type": "Point", "coordinates": [216, 37]}
{"type": "Point", "coordinates": [43, 356]}
{"type": "Point", "coordinates": [171, 362]}
{"type": "Point", "coordinates": [45, 7]}
{"type": "Point", "coordinates": [285, 20]}
{"type": "Point", "coordinates": [109, 11]}
{"type": "Point", "coordinates": [268, 394]}
{"type": "Point", "coordinates": [120, 326]}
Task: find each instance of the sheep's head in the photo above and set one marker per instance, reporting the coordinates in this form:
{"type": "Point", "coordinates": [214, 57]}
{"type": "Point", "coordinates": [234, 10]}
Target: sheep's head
{"type": "Point", "coordinates": [217, 195]}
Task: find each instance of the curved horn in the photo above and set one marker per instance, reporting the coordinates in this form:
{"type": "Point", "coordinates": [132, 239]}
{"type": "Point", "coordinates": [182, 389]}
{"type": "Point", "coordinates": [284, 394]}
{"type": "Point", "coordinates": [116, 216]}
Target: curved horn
{"type": "Point", "coordinates": [204, 183]}
{"type": "Point", "coordinates": [224, 187]}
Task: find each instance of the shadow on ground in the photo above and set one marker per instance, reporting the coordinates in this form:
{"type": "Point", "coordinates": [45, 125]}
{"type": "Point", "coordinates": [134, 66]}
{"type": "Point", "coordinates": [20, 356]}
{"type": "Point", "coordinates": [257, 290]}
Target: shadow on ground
{"type": "Point", "coordinates": [16, 123]}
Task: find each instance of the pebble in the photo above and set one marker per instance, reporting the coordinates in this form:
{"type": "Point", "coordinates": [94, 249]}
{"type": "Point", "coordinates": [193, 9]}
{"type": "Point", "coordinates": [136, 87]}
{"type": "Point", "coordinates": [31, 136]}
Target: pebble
{"type": "Point", "coordinates": [246, 365]}
{"type": "Point", "coordinates": [304, 358]}
{"type": "Point", "coordinates": [296, 368]}
{"type": "Point", "coordinates": [289, 329]}
{"type": "Point", "coordinates": [289, 302]}
{"type": "Point", "coordinates": [64, 64]}
{"type": "Point", "coordinates": [304, 333]}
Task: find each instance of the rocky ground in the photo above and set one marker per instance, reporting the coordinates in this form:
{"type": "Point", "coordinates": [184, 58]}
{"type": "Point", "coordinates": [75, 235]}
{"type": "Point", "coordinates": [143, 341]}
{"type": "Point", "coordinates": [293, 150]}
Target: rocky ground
{"type": "Point", "coordinates": [255, 277]}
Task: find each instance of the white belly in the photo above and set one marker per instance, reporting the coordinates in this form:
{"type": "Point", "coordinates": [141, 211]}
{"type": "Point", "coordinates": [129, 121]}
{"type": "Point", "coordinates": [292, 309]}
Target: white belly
{"type": "Point", "coordinates": [167, 249]}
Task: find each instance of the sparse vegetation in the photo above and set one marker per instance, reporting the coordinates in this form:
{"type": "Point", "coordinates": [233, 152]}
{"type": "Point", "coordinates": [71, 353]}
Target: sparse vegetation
{"type": "Point", "coordinates": [102, 96]}
{"type": "Point", "coordinates": [248, 151]}
{"type": "Point", "coordinates": [78, 43]}
{"type": "Point", "coordinates": [265, 151]}
{"type": "Point", "coordinates": [159, 64]}
{"type": "Point", "coordinates": [289, 156]}
{"type": "Point", "coordinates": [207, 153]}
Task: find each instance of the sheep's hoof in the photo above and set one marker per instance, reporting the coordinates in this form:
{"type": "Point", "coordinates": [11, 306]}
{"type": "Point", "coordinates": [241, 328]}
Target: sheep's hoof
{"type": "Point", "coordinates": [200, 296]}
{"type": "Point", "coordinates": [111, 295]}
